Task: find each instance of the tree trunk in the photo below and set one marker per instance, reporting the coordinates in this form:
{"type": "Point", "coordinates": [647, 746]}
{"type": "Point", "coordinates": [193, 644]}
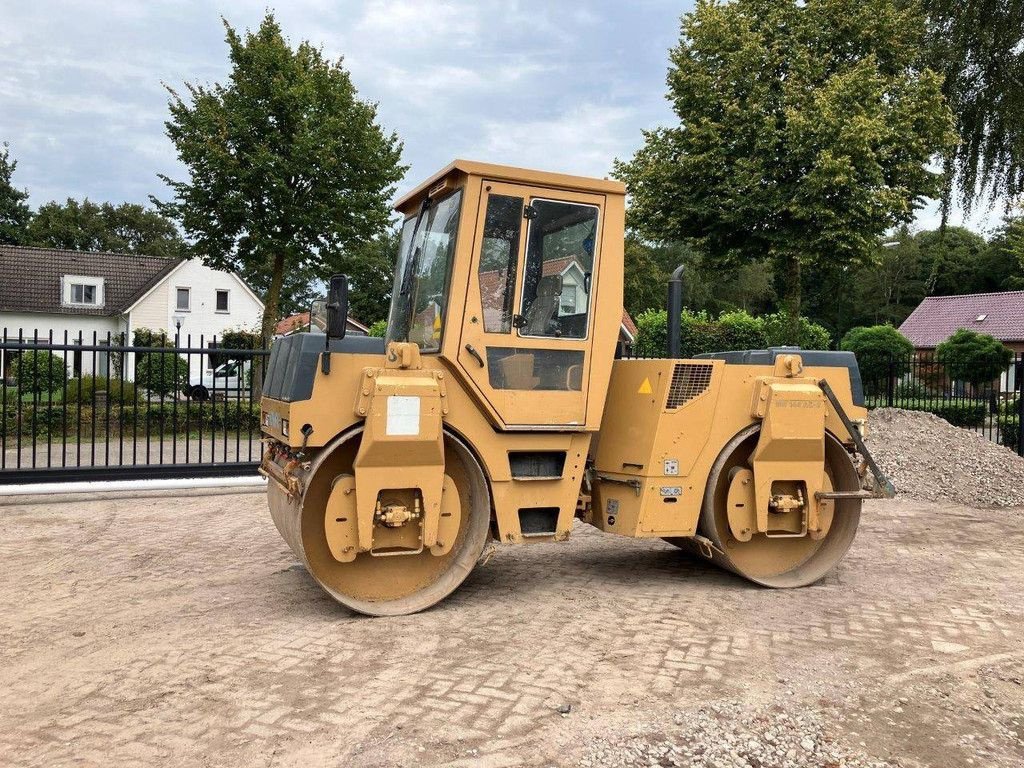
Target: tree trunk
{"type": "Point", "coordinates": [791, 297]}
{"type": "Point", "coordinates": [270, 318]}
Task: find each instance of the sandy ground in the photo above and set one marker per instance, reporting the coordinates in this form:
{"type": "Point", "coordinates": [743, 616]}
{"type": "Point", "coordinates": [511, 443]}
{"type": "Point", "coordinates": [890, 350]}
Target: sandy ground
{"type": "Point", "coordinates": [180, 631]}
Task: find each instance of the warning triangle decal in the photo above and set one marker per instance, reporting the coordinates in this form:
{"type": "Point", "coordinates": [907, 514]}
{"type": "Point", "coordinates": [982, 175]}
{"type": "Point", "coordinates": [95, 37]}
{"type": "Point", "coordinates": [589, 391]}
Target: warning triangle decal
{"type": "Point", "coordinates": [645, 388]}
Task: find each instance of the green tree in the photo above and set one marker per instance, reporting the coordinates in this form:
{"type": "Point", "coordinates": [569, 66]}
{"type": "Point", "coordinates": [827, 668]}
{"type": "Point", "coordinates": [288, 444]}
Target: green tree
{"type": "Point", "coordinates": [288, 168]}
{"type": "Point", "coordinates": [805, 132]}
{"type": "Point", "coordinates": [39, 372]}
{"type": "Point", "coordinates": [952, 261]}
{"type": "Point", "coordinates": [976, 358]}
{"type": "Point", "coordinates": [370, 266]}
{"type": "Point", "coordinates": [1003, 260]}
{"type": "Point", "coordinates": [780, 331]}
{"type": "Point", "coordinates": [89, 226]}
{"type": "Point", "coordinates": [978, 47]}
{"type": "Point", "coordinates": [14, 211]}
{"type": "Point", "coordinates": [379, 329]}
{"type": "Point", "coordinates": [162, 373]}
{"type": "Point", "coordinates": [879, 349]}
{"type": "Point", "coordinates": [706, 286]}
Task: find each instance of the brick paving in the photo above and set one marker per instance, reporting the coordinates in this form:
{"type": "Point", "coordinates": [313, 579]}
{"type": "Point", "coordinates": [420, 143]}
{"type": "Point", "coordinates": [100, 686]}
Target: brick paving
{"type": "Point", "coordinates": [180, 631]}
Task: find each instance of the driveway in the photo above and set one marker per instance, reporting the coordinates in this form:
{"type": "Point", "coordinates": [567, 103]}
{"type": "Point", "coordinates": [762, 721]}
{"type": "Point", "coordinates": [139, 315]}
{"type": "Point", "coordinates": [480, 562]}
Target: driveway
{"type": "Point", "coordinates": [181, 631]}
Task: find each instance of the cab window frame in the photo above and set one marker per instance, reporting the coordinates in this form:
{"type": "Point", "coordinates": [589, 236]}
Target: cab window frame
{"type": "Point", "coordinates": [595, 260]}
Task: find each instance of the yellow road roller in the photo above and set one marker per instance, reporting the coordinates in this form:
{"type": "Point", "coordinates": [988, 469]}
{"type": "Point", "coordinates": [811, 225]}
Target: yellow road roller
{"type": "Point", "coordinates": [499, 409]}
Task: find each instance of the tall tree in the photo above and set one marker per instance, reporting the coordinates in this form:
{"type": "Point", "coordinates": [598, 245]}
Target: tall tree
{"type": "Point", "coordinates": [89, 226]}
{"type": "Point", "coordinates": [805, 130]}
{"type": "Point", "coordinates": [288, 168]}
{"type": "Point", "coordinates": [978, 47]}
{"type": "Point", "coordinates": [370, 266]}
{"type": "Point", "coordinates": [14, 211]}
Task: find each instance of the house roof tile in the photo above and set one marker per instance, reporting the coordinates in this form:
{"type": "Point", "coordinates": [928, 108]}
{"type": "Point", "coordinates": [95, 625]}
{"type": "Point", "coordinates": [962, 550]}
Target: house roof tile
{"type": "Point", "coordinates": [31, 279]}
{"type": "Point", "coordinates": [939, 317]}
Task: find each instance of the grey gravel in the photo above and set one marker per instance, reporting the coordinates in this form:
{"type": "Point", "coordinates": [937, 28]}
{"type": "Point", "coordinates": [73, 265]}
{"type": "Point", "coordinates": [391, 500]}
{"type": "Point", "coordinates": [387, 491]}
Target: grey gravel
{"type": "Point", "coordinates": [730, 734]}
{"type": "Point", "coordinates": [926, 457]}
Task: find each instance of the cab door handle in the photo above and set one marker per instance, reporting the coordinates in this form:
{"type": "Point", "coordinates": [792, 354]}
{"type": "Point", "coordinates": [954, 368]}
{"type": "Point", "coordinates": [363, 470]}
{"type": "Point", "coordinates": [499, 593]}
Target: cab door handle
{"type": "Point", "coordinates": [475, 354]}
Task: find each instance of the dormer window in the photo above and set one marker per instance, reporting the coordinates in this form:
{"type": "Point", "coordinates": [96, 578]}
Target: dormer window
{"type": "Point", "coordinates": [82, 291]}
{"type": "Point", "coordinates": [83, 294]}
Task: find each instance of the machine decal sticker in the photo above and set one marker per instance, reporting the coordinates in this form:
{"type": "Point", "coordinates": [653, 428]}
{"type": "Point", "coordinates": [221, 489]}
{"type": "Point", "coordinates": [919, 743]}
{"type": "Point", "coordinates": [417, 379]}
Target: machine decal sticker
{"type": "Point", "coordinates": [645, 388]}
{"type": "Point", "coordinates": [403, 415]}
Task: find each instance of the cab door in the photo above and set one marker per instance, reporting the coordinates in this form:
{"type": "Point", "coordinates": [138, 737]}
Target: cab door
{"type": "Point", "coordinates": [527, 338]}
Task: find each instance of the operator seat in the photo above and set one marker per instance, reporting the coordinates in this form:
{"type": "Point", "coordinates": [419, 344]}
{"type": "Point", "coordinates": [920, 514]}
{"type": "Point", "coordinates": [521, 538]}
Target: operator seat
{"type": "Point", "coordinates": [542, 311]}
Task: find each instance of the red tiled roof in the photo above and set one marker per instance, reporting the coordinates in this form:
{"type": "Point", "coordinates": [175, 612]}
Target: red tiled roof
{"type": "Point", "coordinates": [293, 323]}
{"type": "Point", "coordinates": [939, 317]}
{"type": "Point", "coordinates": [629, 325]}
{"type": "Point", "coordinates": [297, 322]}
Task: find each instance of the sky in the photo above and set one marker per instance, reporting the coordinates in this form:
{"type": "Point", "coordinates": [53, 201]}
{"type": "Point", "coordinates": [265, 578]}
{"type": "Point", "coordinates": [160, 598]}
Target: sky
{"type": "Point", "coordinates": [562, 86]}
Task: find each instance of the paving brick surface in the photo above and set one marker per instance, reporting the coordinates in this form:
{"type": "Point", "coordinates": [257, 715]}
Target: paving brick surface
{"type": "Point", "coordinates": [181, 631]}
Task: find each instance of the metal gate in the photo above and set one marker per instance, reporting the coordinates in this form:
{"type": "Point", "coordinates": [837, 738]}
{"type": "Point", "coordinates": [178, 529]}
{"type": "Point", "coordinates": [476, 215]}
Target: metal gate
{"type": "Point", "coordinates": [83, 408]}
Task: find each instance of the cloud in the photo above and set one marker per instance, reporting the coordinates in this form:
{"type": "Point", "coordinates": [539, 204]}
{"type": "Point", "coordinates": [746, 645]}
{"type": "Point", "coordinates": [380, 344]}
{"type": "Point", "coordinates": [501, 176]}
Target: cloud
{"type": "Point", "coordinates": [583, 140]}
{"type": "Point", "coordinates": [554, 85]}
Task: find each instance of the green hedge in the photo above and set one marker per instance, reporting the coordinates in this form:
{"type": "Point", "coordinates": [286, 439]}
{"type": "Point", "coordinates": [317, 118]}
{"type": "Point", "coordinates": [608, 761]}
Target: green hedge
{"type": "Point", "coordinates": [738, 330]}
{"type": "Point", "coordinates": [1009, 430]}
{"type": "Point", "coordinates": [966, 414]}
{"type": "Point", "coordinates": [83, 390]}
{"type": "Point", "coordinates": [51, 421]}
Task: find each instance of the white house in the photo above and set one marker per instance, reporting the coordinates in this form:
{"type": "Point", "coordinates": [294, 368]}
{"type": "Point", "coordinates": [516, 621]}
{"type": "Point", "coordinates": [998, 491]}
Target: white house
{"type": "Point", "coordinates": [46, 291]}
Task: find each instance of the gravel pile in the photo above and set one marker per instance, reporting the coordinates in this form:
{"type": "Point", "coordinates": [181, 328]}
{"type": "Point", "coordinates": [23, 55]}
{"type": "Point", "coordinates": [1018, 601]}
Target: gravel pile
{"type": "Point", "coordinates": [927, 458]}
{"type": "Point", "coordinates": [731, 735]}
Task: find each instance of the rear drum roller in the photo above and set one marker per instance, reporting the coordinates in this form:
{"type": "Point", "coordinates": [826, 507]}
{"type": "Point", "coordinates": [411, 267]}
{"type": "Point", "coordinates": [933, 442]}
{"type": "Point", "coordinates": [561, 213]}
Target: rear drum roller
{"type": "Point", "coordinates": [383, 586]}
{"type": "Point", "coordinates": [779, 562]}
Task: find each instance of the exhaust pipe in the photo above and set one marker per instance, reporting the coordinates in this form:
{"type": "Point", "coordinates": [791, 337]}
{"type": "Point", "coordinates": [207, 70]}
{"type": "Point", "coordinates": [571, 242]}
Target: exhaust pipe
{"type": "Point", "coordinates": [675, 312]}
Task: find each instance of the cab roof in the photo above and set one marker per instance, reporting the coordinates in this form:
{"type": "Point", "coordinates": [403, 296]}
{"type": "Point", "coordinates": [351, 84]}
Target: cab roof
{"type": "Point", "coordinates": [508, 173]}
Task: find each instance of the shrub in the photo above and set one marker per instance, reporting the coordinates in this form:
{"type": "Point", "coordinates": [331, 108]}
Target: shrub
{"type": "Point", "coordinates": [778, 333]}
{"type": "Point", "coordinates": [962, 414]}
{"type": "Point", "coordinates": [1009, 431]}
{"type": "Point", "coordinates": [84, 390]}
{"type": "Point", "coordinates": [976, 358]}
{"type": "Point", "coordinates": [652, 333]}
{"type": "Point", "coordinates": [39, 372]}
{"type": "Point", "coordinates": [161, 373]}
{"type": "Point", "coordinates": [737, 330]}
{"type": "Point", "coordinates": [875, 347]}
{"type": "Point", "coordinates": [909, 390]}
{"type": "Point", "coordinates": [740, 330]}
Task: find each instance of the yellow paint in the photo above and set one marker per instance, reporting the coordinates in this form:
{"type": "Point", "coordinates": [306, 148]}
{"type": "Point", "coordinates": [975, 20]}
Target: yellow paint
{"type": "Point", "coordinates": [645, 388]}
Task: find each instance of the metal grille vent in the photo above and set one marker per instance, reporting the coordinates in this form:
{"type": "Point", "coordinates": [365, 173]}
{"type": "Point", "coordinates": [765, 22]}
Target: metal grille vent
{"type": "Point", "coordinates": [689, 380]}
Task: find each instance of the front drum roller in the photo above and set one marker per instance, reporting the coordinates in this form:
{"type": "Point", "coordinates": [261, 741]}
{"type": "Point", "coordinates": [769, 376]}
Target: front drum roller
{"type": "Point", "coordinates": [772, 561]}
{"type": "Point", "coordinates": [374, 585]}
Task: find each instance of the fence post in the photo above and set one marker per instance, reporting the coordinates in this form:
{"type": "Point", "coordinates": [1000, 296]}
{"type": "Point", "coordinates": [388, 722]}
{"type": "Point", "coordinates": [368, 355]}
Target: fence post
{"type": "Point", "coordinates": [890, 389]}
{"type": "Point", "coordinates": [1018, 387]}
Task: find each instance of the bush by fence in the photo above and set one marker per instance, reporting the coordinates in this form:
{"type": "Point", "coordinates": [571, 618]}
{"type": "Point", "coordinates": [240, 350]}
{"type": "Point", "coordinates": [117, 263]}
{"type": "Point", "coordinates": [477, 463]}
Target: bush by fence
{"type": "Point", "coordinates": [55, 421]}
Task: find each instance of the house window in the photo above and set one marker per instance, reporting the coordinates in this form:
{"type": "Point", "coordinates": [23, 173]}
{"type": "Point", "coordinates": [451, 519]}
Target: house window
{"type": "Point", "coordinates": [81, 291]}
{"type": "Point", "coordinates": [222, 301]}
{"type": "Point", "coordinates": [183, 299]}
{"type": "Point", "coordinates": [83, 294]}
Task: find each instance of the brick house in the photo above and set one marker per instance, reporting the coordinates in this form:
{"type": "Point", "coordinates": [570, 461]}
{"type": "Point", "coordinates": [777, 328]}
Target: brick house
{"type": "Point", "coordinates": [997, 314]}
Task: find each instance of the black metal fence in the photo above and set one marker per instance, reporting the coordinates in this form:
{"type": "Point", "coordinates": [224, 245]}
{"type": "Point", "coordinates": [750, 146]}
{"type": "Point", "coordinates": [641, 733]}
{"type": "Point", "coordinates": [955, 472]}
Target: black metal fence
{"type": "Point", "coordinates": [993, 408]}
{"type": "Point", "coordinates": [94, 408]}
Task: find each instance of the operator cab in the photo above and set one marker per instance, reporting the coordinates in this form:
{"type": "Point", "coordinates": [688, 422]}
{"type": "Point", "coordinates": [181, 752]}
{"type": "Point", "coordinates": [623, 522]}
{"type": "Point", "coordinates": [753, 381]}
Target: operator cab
{"type": "Point", "coordinates": [498, 273]}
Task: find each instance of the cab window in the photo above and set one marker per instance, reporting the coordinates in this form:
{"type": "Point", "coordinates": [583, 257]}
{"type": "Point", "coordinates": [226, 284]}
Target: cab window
{"type": "Point", "coordinates": [558, 269]}
{"type": "Point", "coordinates": [419, 300]}
{"type": "Point", "coordinates": [499, 257]}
